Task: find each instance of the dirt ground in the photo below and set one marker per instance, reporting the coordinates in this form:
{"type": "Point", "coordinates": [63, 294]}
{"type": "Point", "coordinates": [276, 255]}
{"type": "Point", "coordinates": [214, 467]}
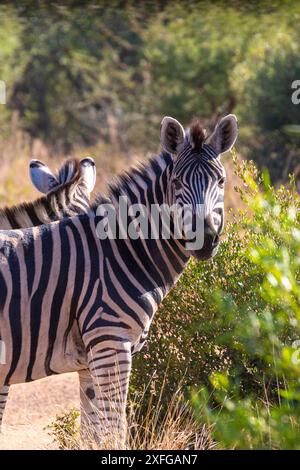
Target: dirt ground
{"type": "Point", "coordinates": [32, 406]}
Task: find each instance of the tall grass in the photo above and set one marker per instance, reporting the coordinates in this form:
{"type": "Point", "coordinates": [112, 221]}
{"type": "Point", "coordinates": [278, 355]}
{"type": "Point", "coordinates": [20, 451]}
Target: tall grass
{"type": "Point", "coordinates": [153, 429]}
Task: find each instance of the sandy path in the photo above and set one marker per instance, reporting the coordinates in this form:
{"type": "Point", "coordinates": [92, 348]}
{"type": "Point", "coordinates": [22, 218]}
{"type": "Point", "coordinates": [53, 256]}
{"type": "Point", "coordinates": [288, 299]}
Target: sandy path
{"type": "Point", "coordinates": [31, 407]}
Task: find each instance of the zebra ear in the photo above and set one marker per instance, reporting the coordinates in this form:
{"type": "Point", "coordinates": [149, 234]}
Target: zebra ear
{"type": "Point", "coordinates": [224, 135]}
{"type": "Point", "coordinates": [88, 171]}
{"type": "Point", "coordinates": [172, 134]}
{"type": "Point", "coordinates": [42, 177]}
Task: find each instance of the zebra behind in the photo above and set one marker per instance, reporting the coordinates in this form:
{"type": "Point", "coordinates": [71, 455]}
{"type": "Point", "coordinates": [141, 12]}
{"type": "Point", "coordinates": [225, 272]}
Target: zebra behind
{"type": "Point", "coordinates": [67, 193]}
{"type": "Point", "coordinates": [71, 301]}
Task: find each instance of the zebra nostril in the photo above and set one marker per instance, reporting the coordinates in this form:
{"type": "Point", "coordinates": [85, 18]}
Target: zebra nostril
{"type": "Point", "coordinates": [209, 227]}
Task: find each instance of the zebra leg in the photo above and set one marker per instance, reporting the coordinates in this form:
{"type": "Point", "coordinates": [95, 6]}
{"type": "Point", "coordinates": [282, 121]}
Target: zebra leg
{"type": "Point", "coordinates": [89, 421]}
{"type": "Point", "coordinates": [3, 398]}
{"type": "Point", "coordinates": [110, 369]}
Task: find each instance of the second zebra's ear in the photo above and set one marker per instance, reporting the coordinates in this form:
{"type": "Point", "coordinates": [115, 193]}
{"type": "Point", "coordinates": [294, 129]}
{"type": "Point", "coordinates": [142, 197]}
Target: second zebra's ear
{"type": "Point", "coordinates": [225, 134]}
{"type": "Point", "coordinates": [172, 135]}
{"type": "Point", "coordinates": [42, 177]}
{"type": "Point", "coordinates": [88, 171]}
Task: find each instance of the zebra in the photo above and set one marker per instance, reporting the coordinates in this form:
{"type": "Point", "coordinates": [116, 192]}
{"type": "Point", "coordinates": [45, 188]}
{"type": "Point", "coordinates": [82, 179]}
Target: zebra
{"type": "Point", "coordinates": [67, 193]}
{"type": "Point", "coordinates": [73, 301]}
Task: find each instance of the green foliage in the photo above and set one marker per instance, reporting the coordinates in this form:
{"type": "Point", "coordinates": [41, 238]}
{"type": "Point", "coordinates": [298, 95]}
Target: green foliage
{"type": "Point", "coordinates": [10, 69]}
{"type": "Point", "coordinates": [65, 430]}
{"type": "Point", "coordinates": [83, 73]}
{"type": "Point", "coordinates": [189, 60]}
{"type": "Point", "coordinates": [264, 331]}
{"type": "Point", "coordinates": [77, 64]}
{"type": "Point", "coordinates": [221, 321]}
{"type": "Point", "coordinates": [267, 104]}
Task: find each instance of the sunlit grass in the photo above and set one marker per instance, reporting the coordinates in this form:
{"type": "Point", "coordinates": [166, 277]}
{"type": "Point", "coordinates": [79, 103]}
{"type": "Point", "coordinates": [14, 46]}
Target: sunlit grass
{"type": "Point", "coordinates": [149, 427]}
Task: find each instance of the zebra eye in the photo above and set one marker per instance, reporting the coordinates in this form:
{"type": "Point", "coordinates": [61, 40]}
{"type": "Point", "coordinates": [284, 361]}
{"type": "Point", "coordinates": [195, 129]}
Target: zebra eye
{"type": "Point", "coordinates": [177, 184]}
{"type": "Point", "coordinates": [221, 182]}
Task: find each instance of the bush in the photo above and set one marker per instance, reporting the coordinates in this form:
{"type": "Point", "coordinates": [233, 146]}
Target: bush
{"type": "Point", "coordinates": [198, 330]}
{"type": "Point", "coordinates": [264, 331]}
{"type": "Point", "coordinates": [65, 430]}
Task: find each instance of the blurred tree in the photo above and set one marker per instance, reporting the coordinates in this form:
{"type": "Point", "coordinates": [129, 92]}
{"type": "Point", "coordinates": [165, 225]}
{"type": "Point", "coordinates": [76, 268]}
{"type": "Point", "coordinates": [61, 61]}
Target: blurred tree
{"type": "Point", "coordinates": [188, 59]}
{"type": "Point", "coordinates": [78, 66]}
{"type": "Point", "coordinates": [10, 69]}
{"type": "Point", "coordinates": [110, 70]}
{"type": "Point", "coordinates": [263, 85]}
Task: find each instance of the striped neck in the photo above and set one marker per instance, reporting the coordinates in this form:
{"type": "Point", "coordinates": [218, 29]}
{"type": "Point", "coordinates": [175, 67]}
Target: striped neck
{"type": "Point", "coordinates": [163, 259]}
{"type": "Point", "coordinates": [147, 182]}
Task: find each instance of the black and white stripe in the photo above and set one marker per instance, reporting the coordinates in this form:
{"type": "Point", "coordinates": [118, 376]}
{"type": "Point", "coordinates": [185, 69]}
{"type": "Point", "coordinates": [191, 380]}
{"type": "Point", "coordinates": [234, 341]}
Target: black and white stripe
{"type": "Point", "coordinates": [72, 302]}
{"type": "Point", "coordinates": [67, 194]}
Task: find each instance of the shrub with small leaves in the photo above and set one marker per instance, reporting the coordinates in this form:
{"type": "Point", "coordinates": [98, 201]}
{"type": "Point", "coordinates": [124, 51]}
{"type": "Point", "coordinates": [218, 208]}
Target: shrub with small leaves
{"type": "Point", "coordinates": [65, 430]}
{"type": "Point", "coordinates": [264, 332]}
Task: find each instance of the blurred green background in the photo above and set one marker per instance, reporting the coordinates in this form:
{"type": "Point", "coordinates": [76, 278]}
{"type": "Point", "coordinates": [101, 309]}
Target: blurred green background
{"type": "Point", "coordinates": [92, 72]}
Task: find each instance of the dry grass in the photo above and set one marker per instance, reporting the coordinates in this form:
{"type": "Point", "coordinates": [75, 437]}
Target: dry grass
{"type": "Point", "coordinates": [174, 429]}
{"type": "Point", "coordinates": [155, 429]}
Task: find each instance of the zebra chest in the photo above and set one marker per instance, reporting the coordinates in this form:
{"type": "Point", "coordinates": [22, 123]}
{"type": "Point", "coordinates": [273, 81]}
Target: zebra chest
{"type": "Point", "coordinates": [136, 347]}
{"type": "Point", "coordinates": [150, 300]}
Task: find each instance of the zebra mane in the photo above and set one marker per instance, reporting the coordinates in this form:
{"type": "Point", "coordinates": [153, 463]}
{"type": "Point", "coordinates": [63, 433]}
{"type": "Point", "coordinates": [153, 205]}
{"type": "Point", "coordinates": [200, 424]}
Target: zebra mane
{"type": "Point", "coordinates": [69, 176]}
{"type": "Point", "coordinates": [127, 179]}
{"type": "Point", "coordinates": [69, 172]}
{"type": "Point", "coordinates": [197, 134]}
{"type": "Point", "coordinates": [144, 170]}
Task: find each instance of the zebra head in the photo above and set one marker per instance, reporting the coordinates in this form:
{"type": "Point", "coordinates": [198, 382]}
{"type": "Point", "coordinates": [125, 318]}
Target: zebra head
{"type": "Point", "coordinates": [198, 176]}
{"type": "Point", "coordinates": [68, 191]}
{"type": "Point", "coordinates": [45, 181]}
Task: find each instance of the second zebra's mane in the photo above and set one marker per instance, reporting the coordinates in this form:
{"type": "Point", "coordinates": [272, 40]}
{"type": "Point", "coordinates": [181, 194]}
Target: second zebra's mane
{"type": "Point", "coordinates": [69, 172]}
